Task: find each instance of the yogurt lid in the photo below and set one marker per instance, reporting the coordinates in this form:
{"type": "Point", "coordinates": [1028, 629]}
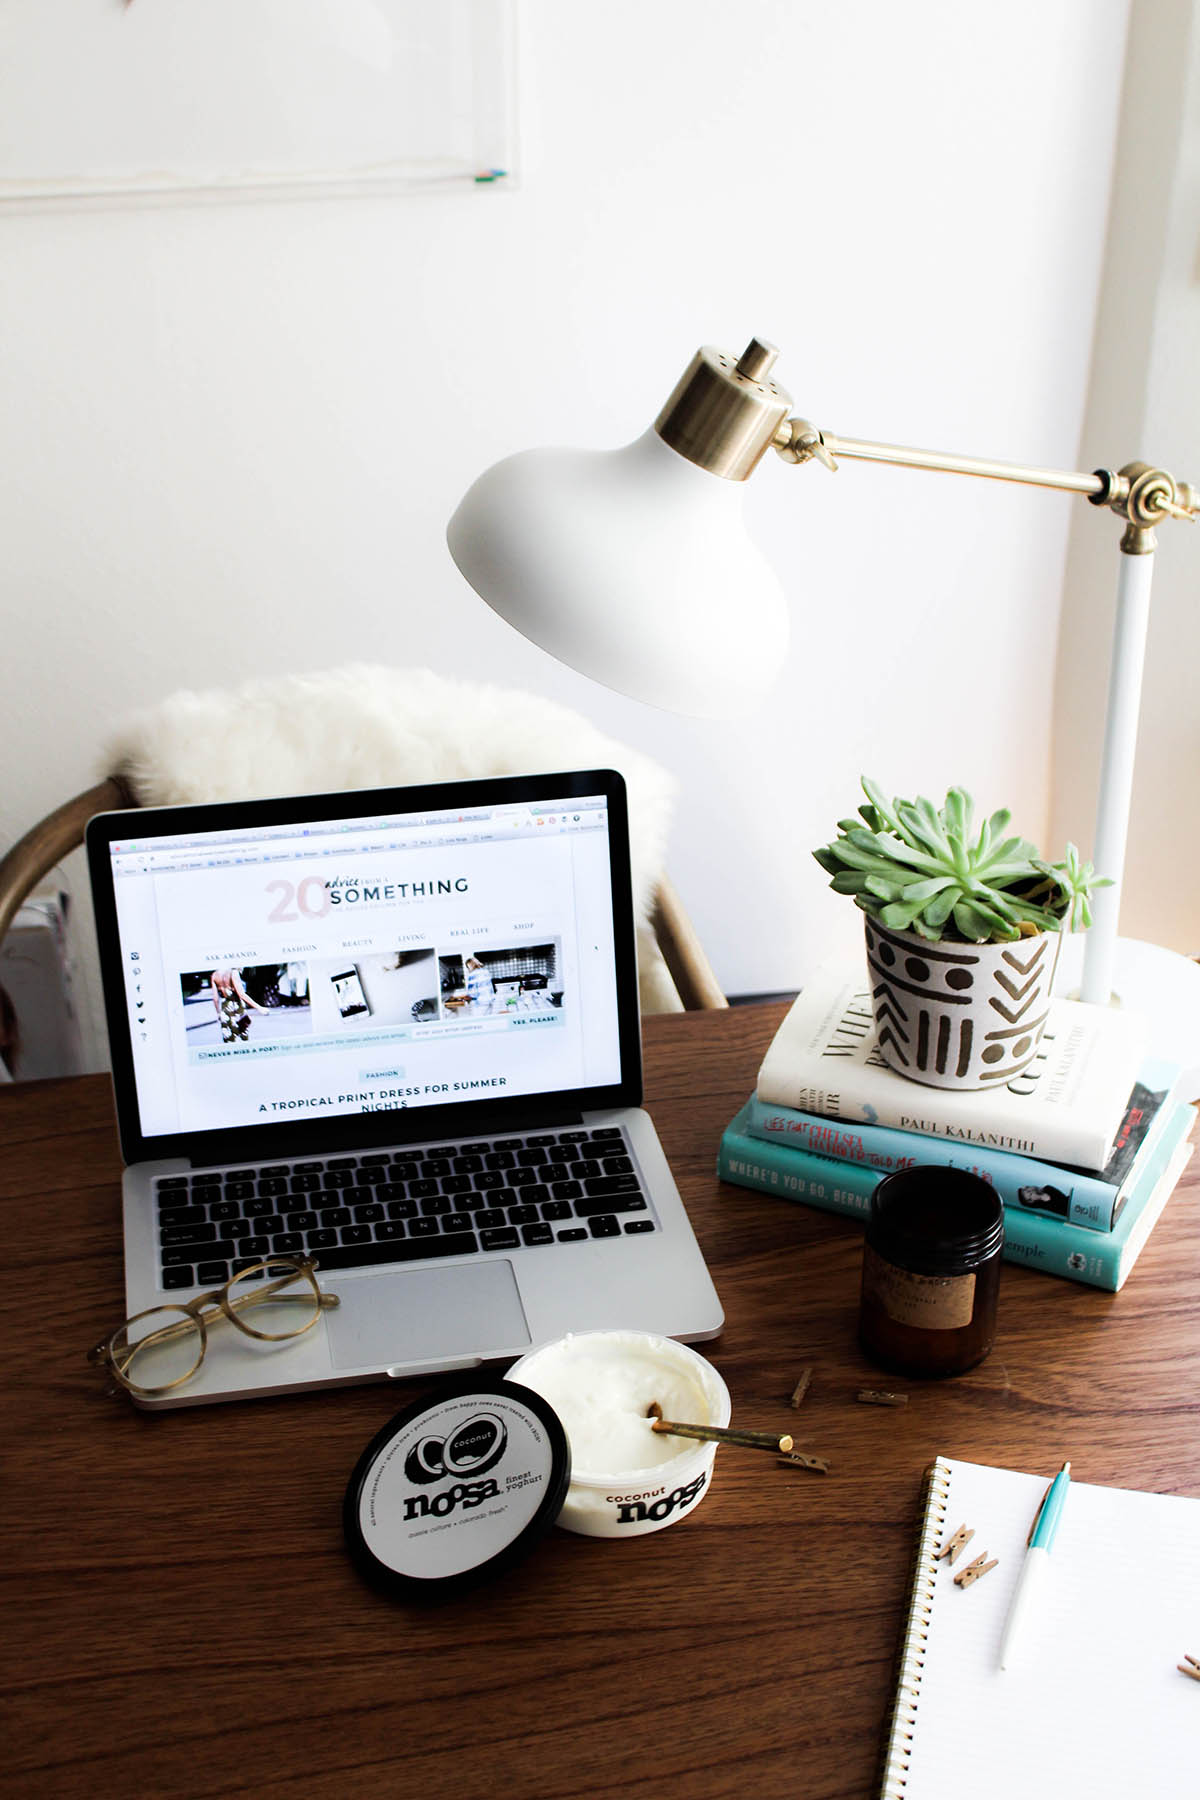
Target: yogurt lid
{"type": "Point", "coordinates": [456, 1489]}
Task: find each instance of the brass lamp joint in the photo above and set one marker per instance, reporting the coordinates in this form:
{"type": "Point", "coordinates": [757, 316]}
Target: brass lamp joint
{"type": "Point", "coordinates": [799, 441]}
{"type": "Point", "coordinates": [1143, 496]}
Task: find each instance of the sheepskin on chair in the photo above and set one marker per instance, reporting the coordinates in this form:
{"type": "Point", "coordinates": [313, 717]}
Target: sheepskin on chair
{"type": "Point", "coordinates": [367, 726]}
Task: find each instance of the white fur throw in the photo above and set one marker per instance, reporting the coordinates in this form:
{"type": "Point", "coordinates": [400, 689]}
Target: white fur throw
{"type": "Point", "coordinates": [368, 726]}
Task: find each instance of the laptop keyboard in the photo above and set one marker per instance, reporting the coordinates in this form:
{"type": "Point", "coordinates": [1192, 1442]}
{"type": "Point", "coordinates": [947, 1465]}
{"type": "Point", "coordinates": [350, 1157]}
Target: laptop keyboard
{"type": "Point", "coordinates": [401, 1206]}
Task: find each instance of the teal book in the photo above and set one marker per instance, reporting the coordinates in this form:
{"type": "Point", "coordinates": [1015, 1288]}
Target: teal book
{"type": "Point", "coordinates": [1092, 1200]}
{"type": "Point", "coordinates": [1098, 1258]}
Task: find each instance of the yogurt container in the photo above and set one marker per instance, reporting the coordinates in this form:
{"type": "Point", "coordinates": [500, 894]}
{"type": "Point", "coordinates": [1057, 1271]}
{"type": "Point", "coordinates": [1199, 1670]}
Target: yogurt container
{"type": "Point", "coordinates": [626, 1478]}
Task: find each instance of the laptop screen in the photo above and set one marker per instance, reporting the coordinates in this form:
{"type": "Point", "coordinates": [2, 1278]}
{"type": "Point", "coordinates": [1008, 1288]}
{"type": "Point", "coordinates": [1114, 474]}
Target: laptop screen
{"type": "Point", "coordinates": [405, 951]}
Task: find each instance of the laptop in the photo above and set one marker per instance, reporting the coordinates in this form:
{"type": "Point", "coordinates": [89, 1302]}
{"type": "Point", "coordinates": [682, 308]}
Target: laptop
{"type": "Point", "coordinates": [395, 1031]}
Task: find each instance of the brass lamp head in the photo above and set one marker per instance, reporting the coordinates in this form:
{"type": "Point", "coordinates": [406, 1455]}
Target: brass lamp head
{"type": "Point", "coordinates": [725, 412]}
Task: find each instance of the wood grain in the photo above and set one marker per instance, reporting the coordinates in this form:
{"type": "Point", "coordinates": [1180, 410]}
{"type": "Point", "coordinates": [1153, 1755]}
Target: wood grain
{"type": "Point", "coordinates": [182, 1620]}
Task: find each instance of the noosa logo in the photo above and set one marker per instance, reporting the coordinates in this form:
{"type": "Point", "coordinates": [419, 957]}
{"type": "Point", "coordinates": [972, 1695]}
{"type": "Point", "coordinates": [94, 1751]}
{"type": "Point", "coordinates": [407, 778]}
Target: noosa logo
{"type": "Point", "coordinates": [439, 1506]}
{"type": "Point", "coordinates": [472, 1449]}
{"type": "Point", "coordinates": [637, 1512]}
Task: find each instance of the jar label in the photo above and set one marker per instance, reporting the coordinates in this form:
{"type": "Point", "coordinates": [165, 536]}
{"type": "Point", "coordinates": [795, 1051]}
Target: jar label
{"type": "Point", "coordinates": [926, 1302]}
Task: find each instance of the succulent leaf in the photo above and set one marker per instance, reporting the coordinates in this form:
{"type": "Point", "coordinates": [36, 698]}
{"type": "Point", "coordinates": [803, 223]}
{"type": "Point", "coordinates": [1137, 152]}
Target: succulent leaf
{"type": "Point", "coordinates": [920, 869]}
{"type": "Point", "coordinates": [884, 889]}
{"type": "Point", "coordinates": [940, 908]}
{"type": "Point", "coordinates": [901, 914]}
{"type": "Point", "coordinates": [957, 813]}
{"type": "Point", "coordinates": [925, 890]}
{"type": "Point", "coordinates": [981, 925]}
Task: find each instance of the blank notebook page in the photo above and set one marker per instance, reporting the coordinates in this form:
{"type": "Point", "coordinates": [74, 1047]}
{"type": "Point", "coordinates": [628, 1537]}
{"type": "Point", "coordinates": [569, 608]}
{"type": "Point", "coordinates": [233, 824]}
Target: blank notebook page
{"type": "Point", "coordinates": [1091, 1703]}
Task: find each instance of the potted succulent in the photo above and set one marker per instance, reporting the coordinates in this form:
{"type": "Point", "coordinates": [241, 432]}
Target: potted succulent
{"type": "Point", "coordinates": [962, 933]}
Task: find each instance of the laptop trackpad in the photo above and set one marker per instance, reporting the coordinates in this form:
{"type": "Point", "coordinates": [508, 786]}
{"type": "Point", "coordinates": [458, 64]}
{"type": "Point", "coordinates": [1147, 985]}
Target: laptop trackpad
{"type": "Point", "coordinates": [425, 1315]}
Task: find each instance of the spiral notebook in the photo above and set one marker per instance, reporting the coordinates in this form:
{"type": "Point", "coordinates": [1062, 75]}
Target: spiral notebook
{"type": "Point", "coordinates": [1093, 1702]}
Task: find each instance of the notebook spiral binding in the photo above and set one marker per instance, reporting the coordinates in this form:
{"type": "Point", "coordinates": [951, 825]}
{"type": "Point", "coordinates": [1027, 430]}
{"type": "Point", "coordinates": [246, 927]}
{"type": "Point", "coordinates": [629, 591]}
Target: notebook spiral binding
{"type": "Point", "coordinates": [935, 1497]}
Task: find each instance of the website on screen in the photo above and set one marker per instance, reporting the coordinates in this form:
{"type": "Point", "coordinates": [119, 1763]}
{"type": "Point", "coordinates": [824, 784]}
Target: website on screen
{"type": "Point", "coordinates": [367, 965]}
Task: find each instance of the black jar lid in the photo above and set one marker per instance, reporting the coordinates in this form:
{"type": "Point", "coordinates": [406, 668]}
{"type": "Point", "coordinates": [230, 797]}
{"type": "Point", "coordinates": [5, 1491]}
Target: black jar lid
{"type": "Point", "coordinates": [935, 1220]}
{"type": "Point", "coordinates": [455, 1489]}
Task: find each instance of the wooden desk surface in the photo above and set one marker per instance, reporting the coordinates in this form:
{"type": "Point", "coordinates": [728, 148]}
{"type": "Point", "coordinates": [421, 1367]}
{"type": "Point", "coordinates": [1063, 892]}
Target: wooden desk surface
{"type": "Point", "coordinates": [181, 1618]}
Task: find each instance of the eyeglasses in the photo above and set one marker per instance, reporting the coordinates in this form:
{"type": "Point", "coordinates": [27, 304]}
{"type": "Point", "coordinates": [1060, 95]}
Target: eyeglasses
{"type": "Point", "coordinates": [160, 1349]}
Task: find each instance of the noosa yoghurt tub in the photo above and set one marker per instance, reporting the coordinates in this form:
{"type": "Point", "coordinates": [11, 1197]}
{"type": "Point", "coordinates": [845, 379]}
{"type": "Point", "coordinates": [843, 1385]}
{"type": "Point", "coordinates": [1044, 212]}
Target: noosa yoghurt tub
{"type": "Point", "coordinates": [627, 1478]}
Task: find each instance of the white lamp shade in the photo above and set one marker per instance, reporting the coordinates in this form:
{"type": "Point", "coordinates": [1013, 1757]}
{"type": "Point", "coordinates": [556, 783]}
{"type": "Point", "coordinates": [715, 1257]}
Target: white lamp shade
{"type": "Point", "coordinates": [632, 566]}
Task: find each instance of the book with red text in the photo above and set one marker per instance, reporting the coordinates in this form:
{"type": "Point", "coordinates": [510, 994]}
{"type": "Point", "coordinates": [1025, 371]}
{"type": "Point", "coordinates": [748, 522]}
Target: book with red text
{"type": "Point", "coordinates": [1093, 1200]}
{"type": "Point", "coordinates": [1097, 1258]}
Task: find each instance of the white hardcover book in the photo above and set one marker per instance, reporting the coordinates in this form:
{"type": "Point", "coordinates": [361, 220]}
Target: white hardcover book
{"type": "Point", "coordinates": [1067, 1106]}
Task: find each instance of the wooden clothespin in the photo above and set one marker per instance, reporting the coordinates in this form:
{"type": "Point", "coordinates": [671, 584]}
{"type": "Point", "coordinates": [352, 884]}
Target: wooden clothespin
{"type": "Point", "coordinates": [1190, 1666]}
{"type": "Point", "coordinates": [953, 1546]}
{"type": "Point", "coordinates": [802, 1386]}
{"type": "Point", "coordinates": [799, 1459]}
{"type": "Point", "coordinates": [974, 1570]}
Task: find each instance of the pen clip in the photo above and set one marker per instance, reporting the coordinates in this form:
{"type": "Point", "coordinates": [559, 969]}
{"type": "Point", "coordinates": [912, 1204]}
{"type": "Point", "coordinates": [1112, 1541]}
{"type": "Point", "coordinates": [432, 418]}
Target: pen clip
{"type": "Point", "coordinates": [1037, 1515]}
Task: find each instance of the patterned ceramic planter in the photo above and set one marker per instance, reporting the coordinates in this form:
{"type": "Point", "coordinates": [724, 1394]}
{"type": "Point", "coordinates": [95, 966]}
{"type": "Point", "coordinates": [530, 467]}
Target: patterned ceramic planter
{"type": "Point", "coordinates": [959, 1015]}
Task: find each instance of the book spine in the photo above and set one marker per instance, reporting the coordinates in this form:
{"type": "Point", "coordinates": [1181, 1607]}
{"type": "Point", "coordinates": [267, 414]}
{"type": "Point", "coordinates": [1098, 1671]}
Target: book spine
{"type": "Point", "coordinates": [1051, 1245]}
{"type": "Point", "coordinates": [1023, 1181]}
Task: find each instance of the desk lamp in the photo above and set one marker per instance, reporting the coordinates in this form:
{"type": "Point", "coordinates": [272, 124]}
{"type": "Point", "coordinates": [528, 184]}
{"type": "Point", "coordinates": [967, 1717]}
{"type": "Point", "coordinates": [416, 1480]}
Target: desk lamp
{"type": "Point", "coordinates": [634, 567]}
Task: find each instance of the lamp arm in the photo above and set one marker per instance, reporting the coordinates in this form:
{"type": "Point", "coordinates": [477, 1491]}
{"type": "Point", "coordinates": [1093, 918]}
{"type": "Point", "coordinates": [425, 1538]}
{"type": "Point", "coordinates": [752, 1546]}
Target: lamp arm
{"type": "Point", "coordinates": [1142, 496]}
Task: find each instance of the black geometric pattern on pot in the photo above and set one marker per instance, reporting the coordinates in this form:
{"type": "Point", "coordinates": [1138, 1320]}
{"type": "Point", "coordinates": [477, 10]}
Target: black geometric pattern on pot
{"type": "Point", "coordinates": [1015, 1013]}
{"type": "Point", "coordinates": [890, 1022]}
{"type": "Point", "coordinates": [897, 948]}
{"type": "Point", "coordinates": [989, 1077]}
{"type": "Point", "coordinates": [1011, 956]}
{"type": "Point", "coordinates": [887, 1036]}
{"type": "Point", "coordinates": [889, 1010]}
{"type": "Point", "coordinates": [1017, 990]}
{"type": "Point", "coordinates": [1004, 1048]}
{"type": "Point", "coordinates": [935, 1048]}
{"type": "Point", "coordinates": [1013, 989]}
{"type": "Point", "coordinates": [1017, 1030]}
{"type": "Point", "coordinates": [940, 975]}
{"type": "Point", "coordinates": [939, 1041]}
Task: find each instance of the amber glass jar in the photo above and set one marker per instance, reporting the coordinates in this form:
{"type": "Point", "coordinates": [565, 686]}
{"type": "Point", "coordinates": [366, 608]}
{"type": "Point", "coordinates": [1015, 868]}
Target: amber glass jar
{"type": "Point", "coordinates": [931, 1271]}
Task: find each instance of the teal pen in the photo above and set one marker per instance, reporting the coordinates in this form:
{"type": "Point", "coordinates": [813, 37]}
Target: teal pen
{"type": "Point", "coordinates": [1037, 1555]}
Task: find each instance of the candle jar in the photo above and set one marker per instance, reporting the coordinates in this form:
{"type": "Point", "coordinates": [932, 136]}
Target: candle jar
{"type": "Point", "coordinates": [931, 1271]}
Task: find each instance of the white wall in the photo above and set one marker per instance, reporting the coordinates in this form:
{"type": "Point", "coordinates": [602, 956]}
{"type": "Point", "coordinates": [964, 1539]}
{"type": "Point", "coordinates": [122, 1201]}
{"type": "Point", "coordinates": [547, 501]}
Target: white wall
{"type": "Point", "coordinates": [230, 435]}
{"type": "Point", "coordinates": [1144, 404]}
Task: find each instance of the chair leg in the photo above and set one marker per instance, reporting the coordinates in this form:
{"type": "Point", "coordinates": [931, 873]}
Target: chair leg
{"type": "Point", "coordinates": [683, 952]}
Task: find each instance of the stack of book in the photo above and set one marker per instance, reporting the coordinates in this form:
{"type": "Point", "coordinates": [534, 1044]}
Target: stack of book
{"type": "Point", "coordinates": [1084, 1147]}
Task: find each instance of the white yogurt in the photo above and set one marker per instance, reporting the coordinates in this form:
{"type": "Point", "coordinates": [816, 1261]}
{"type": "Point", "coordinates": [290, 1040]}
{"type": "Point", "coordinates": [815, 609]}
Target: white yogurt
{"type": "Point", "coordinates": [627, 1478]}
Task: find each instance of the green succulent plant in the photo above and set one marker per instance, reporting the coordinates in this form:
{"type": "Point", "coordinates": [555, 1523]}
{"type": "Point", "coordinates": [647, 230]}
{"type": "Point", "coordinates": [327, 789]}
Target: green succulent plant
{"type": "Point", "coordinates": [917, 868]}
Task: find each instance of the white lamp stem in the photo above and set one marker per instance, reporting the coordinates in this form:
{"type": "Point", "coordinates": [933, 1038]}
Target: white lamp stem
{"type": "Point", "coordinates": [1116, 771]}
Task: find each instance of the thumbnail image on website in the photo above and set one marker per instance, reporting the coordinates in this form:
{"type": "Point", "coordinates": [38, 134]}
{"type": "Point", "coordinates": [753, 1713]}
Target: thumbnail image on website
{"type": "Point", "coordinates": [262, 1004]}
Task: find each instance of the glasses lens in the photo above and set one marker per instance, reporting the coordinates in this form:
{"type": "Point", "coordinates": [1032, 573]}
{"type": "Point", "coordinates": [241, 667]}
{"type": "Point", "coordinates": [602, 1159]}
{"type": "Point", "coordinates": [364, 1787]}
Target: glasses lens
{"type": "Point", "coordinates": [159, 1349]}
{"type": "Point", "coordinates": [275, 1300]}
